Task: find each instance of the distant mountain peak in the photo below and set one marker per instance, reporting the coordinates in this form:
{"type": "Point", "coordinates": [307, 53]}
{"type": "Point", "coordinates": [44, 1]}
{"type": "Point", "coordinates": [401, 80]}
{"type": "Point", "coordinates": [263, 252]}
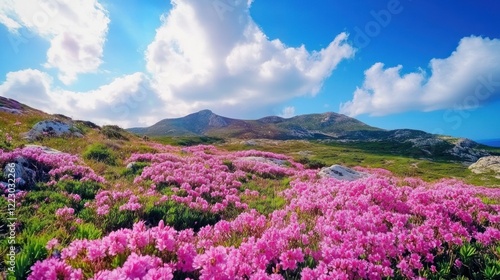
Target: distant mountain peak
{"type": "Point", "coordinates": [205, 112]}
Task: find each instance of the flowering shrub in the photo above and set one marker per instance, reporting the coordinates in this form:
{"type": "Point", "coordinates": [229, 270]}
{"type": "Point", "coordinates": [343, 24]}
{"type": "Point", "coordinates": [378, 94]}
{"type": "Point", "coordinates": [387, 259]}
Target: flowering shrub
{"type": "Point", "coordinates": [189, 214]}
{"type": "Point", "coordinates": [59, 166]}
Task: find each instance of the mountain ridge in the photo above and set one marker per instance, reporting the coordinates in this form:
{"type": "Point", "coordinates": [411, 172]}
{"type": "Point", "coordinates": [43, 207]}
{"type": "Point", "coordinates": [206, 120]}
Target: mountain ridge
{"type": "Point", "coordinates": [19, 119]}
{"type": "Point", "coordinates": [207, 123]}
{"type": "Point", "coordinates": [326, 127]}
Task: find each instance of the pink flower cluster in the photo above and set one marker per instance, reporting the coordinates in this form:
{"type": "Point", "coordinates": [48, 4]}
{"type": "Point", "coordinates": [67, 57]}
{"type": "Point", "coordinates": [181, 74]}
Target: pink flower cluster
{"type": "Point", "coordinates": [198, 179]}
{"type": "Point", "coordinates": [65, 213]}
{"type": "Point", "coordinates": [60, 166]}
{"type": "Point", "coordinates": [54, 269]}
{"type": "Point", "coordinates": [105, 200]}
{"type": "Point", "coordinates": [372, 228]}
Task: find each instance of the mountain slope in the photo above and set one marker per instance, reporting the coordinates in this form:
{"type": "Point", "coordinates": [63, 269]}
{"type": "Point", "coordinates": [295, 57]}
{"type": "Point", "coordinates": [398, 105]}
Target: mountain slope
{"type": "Point", "coordinates": [206, 123]}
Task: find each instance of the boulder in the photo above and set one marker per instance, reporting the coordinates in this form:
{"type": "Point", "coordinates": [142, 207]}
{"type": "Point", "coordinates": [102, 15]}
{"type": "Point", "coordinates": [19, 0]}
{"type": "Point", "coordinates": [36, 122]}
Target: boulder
{"type": "Point", "coordinates": [27, 172]}
{"type": "Point", "coordinates": [486, 164]}
{"type": "Point", "coordinates": [341, 173]}
{"type": "Point", "coordinates": [52, 128]}
{"type": "Point", "coordinates": [25, 176]}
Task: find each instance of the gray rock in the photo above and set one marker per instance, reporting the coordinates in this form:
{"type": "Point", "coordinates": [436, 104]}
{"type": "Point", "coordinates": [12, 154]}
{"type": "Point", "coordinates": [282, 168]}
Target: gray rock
{"type": "Point", "coordinates": [341, 173]}
{"type": "Point", "coordinates": [466, 150]}
{"type": "Point", "coordinates": [27, 172]}
{"type": "Point", "coordinates": [130, 165]}
{"type": "Point", "coordinates": [25, 176]}
{"type": "Point", "coordinates": [486, 164]}
{"type": "Point", "coordinates": [52, 128]}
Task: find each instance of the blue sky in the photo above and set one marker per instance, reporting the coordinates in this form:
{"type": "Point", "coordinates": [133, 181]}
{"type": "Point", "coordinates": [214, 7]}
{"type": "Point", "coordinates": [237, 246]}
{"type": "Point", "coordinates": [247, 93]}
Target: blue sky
{"type": "Point", "coordinates": [427, 65]}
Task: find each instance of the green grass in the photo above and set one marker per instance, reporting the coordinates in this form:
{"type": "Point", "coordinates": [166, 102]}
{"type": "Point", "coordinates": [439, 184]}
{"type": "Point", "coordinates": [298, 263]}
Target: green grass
{"type": "Point", "coordinates": [100, 153]}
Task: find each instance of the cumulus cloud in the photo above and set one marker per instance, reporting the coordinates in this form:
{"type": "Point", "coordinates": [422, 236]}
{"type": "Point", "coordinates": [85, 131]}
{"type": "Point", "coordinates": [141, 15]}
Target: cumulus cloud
{"type": "Point", "coordinates": [127, 101]}
{"type": "Point", "coordinates": [214, 53]}
{"type": "Point", "coordinates": [205, 55]}
{"type": "Point", "coordinates": [288, 112]}
{"type": "Point", "coordinates": [76, 31]}
{"type": "Point", "coordinates": [468, 78]}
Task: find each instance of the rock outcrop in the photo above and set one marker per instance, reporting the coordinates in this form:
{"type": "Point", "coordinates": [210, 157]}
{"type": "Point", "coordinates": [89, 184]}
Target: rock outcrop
{"type": "Point", "coordinates": [466, 149]}
{"type": "Point", "coordinates": [54, 128]}
{"type": "Point", "coordinates": [341, 173]}
{"type": "Point", "coordinates": [487, 164]}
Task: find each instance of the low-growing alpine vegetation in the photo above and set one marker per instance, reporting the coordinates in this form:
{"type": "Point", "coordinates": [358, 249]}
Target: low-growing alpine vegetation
{"type": "Point", "coordinates": [201, 212]}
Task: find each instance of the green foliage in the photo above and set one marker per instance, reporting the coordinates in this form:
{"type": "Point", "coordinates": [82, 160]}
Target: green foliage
{"type": "Point", "coordinates": [5, 145]}
{"type": "Point", "coordinates": [492, 272]}
{"type": "Point", "coordinates": [88, 215]}
{"type": "Point", "coordinates": [32, 251]}
{"type": "Point", "coordinates": [311, 163]}
{"type": "Point", "coordinates": [101, 153]}
{"type": "Point", "coordinates": [87, 231]}
{"type": "Point", "coordinates": [117, 219]}
{"type": "Point", "coordinates": [86, 190]}
{"type": "Point", "coordinates": [475, 262]}
{"type": "Point", "coordinates": [180, 216]}
{"type": "Point", "coordinates": [114, 132]}
{"type": "Point", "coordinates": [37, 214]}
{"type": "Point", "coordinates": [269, 198]}
{"type": "Point", "coordinates": [135, 170]}
{"type": "Point", "coordinates": [467, 253]}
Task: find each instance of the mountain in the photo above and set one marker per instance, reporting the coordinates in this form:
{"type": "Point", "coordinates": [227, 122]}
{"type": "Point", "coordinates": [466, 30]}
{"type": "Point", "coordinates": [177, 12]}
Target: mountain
{"type": "Point", "coordinates": [27, 124]}
{"type": "Point", "coordinates": [326, 127]}
{"type": "Point", "coordinates": [206, 123]}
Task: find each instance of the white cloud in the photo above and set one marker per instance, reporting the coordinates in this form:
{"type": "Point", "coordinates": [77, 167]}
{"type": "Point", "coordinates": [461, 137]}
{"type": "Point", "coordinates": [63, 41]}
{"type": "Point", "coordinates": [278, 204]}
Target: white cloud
{"type": "Point", "coordinates": [76, 31]}
{"type": "Point", "coordinates": [127, 101]}
{"type": "Point", "coordinates": [214, 53]}
{"type": "Point", "coordinates": [204, 56]}
{"type": "Point", "coordinates": [469, 77]}
{"type": "Point", "coordinates": [288, 112]}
